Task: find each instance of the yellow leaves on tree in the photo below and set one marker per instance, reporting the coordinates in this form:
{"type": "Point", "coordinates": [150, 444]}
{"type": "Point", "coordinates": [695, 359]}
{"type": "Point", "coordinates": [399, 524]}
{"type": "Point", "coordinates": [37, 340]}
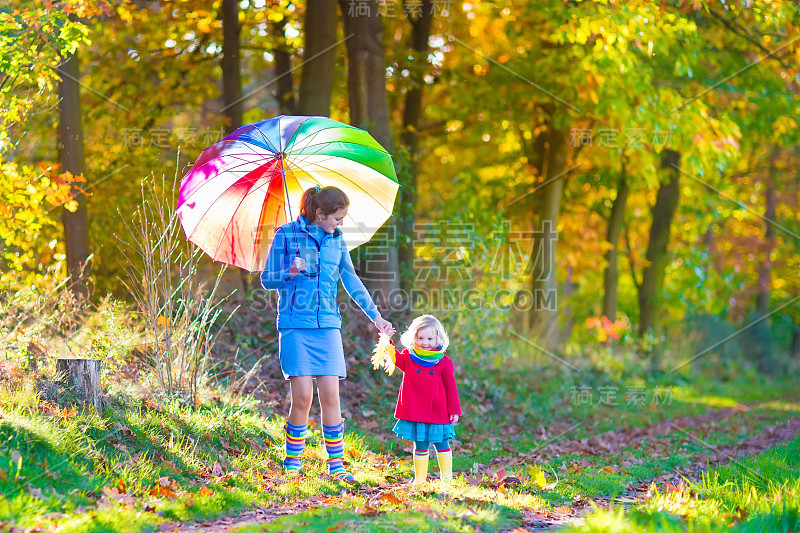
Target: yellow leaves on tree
{"type": "Point", "coordinates": [30, 229]}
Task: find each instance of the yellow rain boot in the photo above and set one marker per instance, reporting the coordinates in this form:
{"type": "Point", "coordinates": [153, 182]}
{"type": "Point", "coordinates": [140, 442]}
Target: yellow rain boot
{"type": "Point", "coordinates": [420, 466]}
{"type": "Point", "coordinates": [445, 458]}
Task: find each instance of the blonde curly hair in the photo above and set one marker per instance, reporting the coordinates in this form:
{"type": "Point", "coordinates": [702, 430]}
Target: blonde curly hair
{"type": "Point", "coordinates": [422, 322]}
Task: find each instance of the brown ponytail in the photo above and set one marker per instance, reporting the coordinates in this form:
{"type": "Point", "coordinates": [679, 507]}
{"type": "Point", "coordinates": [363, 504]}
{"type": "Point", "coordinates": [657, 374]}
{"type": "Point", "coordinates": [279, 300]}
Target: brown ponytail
{"type": "Point", "coordinates": [329, 199]}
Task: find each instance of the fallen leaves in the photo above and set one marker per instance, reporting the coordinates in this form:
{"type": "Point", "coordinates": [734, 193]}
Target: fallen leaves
{"type": "Point", "coordinates": [124, 430]}
{"type": "Point", "coordinates": [217, 470]}
{"type": "Point", "coordinates": [165, 488]}
{"type": "Point", "coordinates": [233, 450]}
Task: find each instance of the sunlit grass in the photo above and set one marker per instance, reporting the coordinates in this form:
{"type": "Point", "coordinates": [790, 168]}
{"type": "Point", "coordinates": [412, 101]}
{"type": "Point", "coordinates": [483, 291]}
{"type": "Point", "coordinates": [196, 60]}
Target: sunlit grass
{"type": "Point", "coordinates": [754, 494]}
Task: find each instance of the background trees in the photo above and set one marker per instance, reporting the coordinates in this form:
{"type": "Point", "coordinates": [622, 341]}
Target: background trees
{"type": "Point", "coordinates": [657, 140]}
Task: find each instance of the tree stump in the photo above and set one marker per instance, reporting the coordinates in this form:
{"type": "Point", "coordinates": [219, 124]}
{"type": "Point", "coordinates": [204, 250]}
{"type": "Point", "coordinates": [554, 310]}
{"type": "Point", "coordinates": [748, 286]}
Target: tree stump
{"type": "Point", "coordinates": [84, 376]}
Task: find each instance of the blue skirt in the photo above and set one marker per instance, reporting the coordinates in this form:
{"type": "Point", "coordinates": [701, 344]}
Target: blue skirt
{"type": "Point", "coordinates": [311, 352]}
{"type": "Point", "coordinates": [423, 432]}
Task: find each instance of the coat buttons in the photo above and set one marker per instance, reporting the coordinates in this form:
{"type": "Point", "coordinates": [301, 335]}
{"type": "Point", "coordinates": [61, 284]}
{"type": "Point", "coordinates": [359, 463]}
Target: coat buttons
{"type": "Point", "coordinates": [431, 372]}
{"type": "Point", "coordinates": [418, 371]}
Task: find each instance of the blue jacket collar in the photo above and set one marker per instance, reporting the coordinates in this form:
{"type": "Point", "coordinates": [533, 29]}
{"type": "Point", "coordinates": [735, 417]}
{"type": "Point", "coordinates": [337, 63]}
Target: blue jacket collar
{"type": "Point", "coordinates": [314, 231]}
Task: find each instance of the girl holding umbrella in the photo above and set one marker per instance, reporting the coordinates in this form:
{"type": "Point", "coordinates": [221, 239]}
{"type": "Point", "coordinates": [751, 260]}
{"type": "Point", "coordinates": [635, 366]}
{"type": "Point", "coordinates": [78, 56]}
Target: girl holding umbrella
{"type": "Point", "coordinates": [307, 258]}
{"type": "Point", "coordinates": [242, 188]}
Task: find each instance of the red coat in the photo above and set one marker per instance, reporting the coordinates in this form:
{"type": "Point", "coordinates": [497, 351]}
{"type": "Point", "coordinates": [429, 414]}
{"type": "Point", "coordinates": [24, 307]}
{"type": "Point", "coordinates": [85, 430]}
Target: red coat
{"type": "Point", "coordinates": [427, 393]}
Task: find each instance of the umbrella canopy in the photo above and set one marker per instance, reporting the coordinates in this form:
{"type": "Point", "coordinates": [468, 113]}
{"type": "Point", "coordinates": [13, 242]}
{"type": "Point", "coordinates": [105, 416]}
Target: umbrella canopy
{"type": "Point", "coordinates": [244, 187]}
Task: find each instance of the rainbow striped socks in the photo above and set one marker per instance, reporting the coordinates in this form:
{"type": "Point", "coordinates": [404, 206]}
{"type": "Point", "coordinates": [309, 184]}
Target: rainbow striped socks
{"type": "Point", "coordinates": [445, 458]}
{"type": "Point", "coordinates": [334, 445]}
{"type": "Point", "coordinates": [420, 465]}
{"type": "Point", "coordinates": [295, 443]}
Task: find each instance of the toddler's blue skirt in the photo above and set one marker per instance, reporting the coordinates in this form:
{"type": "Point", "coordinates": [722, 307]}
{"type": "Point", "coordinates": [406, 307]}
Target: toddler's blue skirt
{"type": "Point", "coordinates": [424, 432]}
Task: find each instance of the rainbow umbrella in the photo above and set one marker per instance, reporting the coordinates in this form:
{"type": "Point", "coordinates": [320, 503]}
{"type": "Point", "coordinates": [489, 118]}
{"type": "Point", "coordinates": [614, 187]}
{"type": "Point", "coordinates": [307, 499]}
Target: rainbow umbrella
{"type": "Point", "coordinates": [242, 188]}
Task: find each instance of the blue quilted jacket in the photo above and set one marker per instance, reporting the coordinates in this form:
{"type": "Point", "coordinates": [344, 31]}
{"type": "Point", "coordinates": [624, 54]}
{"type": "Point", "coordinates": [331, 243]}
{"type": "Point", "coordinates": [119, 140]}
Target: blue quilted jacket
{"type": "Point", "coordinates": [305, 301]}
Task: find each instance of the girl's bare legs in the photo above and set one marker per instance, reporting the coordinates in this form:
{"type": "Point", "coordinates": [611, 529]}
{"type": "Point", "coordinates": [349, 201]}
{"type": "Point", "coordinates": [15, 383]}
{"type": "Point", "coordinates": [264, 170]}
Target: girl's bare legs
{"type": "Point", "coordinates": [329, 404]}
{"type": "Point", "coordinates": [302, 388]}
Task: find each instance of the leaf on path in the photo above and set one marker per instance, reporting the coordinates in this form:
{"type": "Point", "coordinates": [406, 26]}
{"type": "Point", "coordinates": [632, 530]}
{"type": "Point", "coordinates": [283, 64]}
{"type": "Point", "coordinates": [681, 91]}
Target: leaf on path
{"type": "Point", "coordinates": [162, 492]}
{"type": "Point", "coordinates": [367, 511]}
{"type": "Point", "coordinates": [115, 494]}
{"type": "Point", "coordinates": [230, 449]}
{"type": "Point", "coordinates": [391, 498]}
{"type": "Point", "coordinates": [205, 491]}
{"type": "Point", "coordinates": [254, 446]}
{"type": "Point", "coordinates": [606, 470]}
{"type": "Point", "coordinates": [217, 470]}
{"type": "Point", "coordinates": [123, 429]}
{"type": "Point", "coordinates": [354, 453]}
{"type": "Point", "coordinates": [337, 527]}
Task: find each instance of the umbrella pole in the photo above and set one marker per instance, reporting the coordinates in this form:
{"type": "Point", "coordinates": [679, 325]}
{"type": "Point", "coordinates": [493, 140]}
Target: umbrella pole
{"type": "Point", "coordinates": [289, 205]}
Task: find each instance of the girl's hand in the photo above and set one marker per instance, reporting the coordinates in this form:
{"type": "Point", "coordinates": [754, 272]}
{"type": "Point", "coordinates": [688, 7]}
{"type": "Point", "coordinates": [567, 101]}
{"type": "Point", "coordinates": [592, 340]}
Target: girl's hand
{"type": "Point", "coordinates": [384, 326]}
{"type": "Point", "coordinates": [453, 419]}
{"type": "Point", "coordinates": [298, 266]}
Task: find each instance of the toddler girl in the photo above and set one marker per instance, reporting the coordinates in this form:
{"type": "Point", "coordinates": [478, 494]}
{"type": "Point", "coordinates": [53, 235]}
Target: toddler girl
{"type": "Point", "coordinates": [428, 404]}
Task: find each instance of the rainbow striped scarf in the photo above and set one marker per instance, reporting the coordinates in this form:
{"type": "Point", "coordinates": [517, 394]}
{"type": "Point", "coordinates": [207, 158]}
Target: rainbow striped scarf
{"type": "Point", "coordinates": [426, 357]}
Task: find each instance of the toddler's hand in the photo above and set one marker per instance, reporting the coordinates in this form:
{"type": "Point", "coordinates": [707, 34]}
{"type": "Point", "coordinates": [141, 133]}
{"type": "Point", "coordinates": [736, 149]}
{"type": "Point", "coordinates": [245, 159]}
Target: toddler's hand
{"type": "Point", "coordinates": [453, 419]}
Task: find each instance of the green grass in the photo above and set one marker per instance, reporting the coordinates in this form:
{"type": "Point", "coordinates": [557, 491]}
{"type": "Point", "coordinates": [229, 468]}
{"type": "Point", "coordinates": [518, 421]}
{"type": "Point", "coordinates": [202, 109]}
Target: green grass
{"type": "Point", "coordinates": [755, 494]}
{"type": "Point", "coordinates": [65, 458]}
{"type": "Point", "coordinates": [57, 461]}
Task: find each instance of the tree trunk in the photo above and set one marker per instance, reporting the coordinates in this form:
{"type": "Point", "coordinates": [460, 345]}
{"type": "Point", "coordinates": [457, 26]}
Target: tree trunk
{"type": "Point", "coordinates": [232, 81]}
{"type": "Point", "coordinates": [615, 222]}
{"type": "Point", "coordinates": [369, 110]}
{"type": "Point", "coordinates": [231, 64]}
{"type": "Point", "coordinates": [319, 58]}
{"type": "Point", "coordinates": [84, 376]}
{"type": "Point", "coordinates": [544, 323]}
{"type": "Point", "coordinates": [657, 256]}
{"type": "Point", "coordinates": [284, 90]}
{"type": "Point", "coordinates": [70, 131]}
{"type": "Point", "coordinates": [366, 72]}
{"type": "Point", "coordinates": [421, 30]}
{"type": "Point", "coordinates": [765, 266]}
